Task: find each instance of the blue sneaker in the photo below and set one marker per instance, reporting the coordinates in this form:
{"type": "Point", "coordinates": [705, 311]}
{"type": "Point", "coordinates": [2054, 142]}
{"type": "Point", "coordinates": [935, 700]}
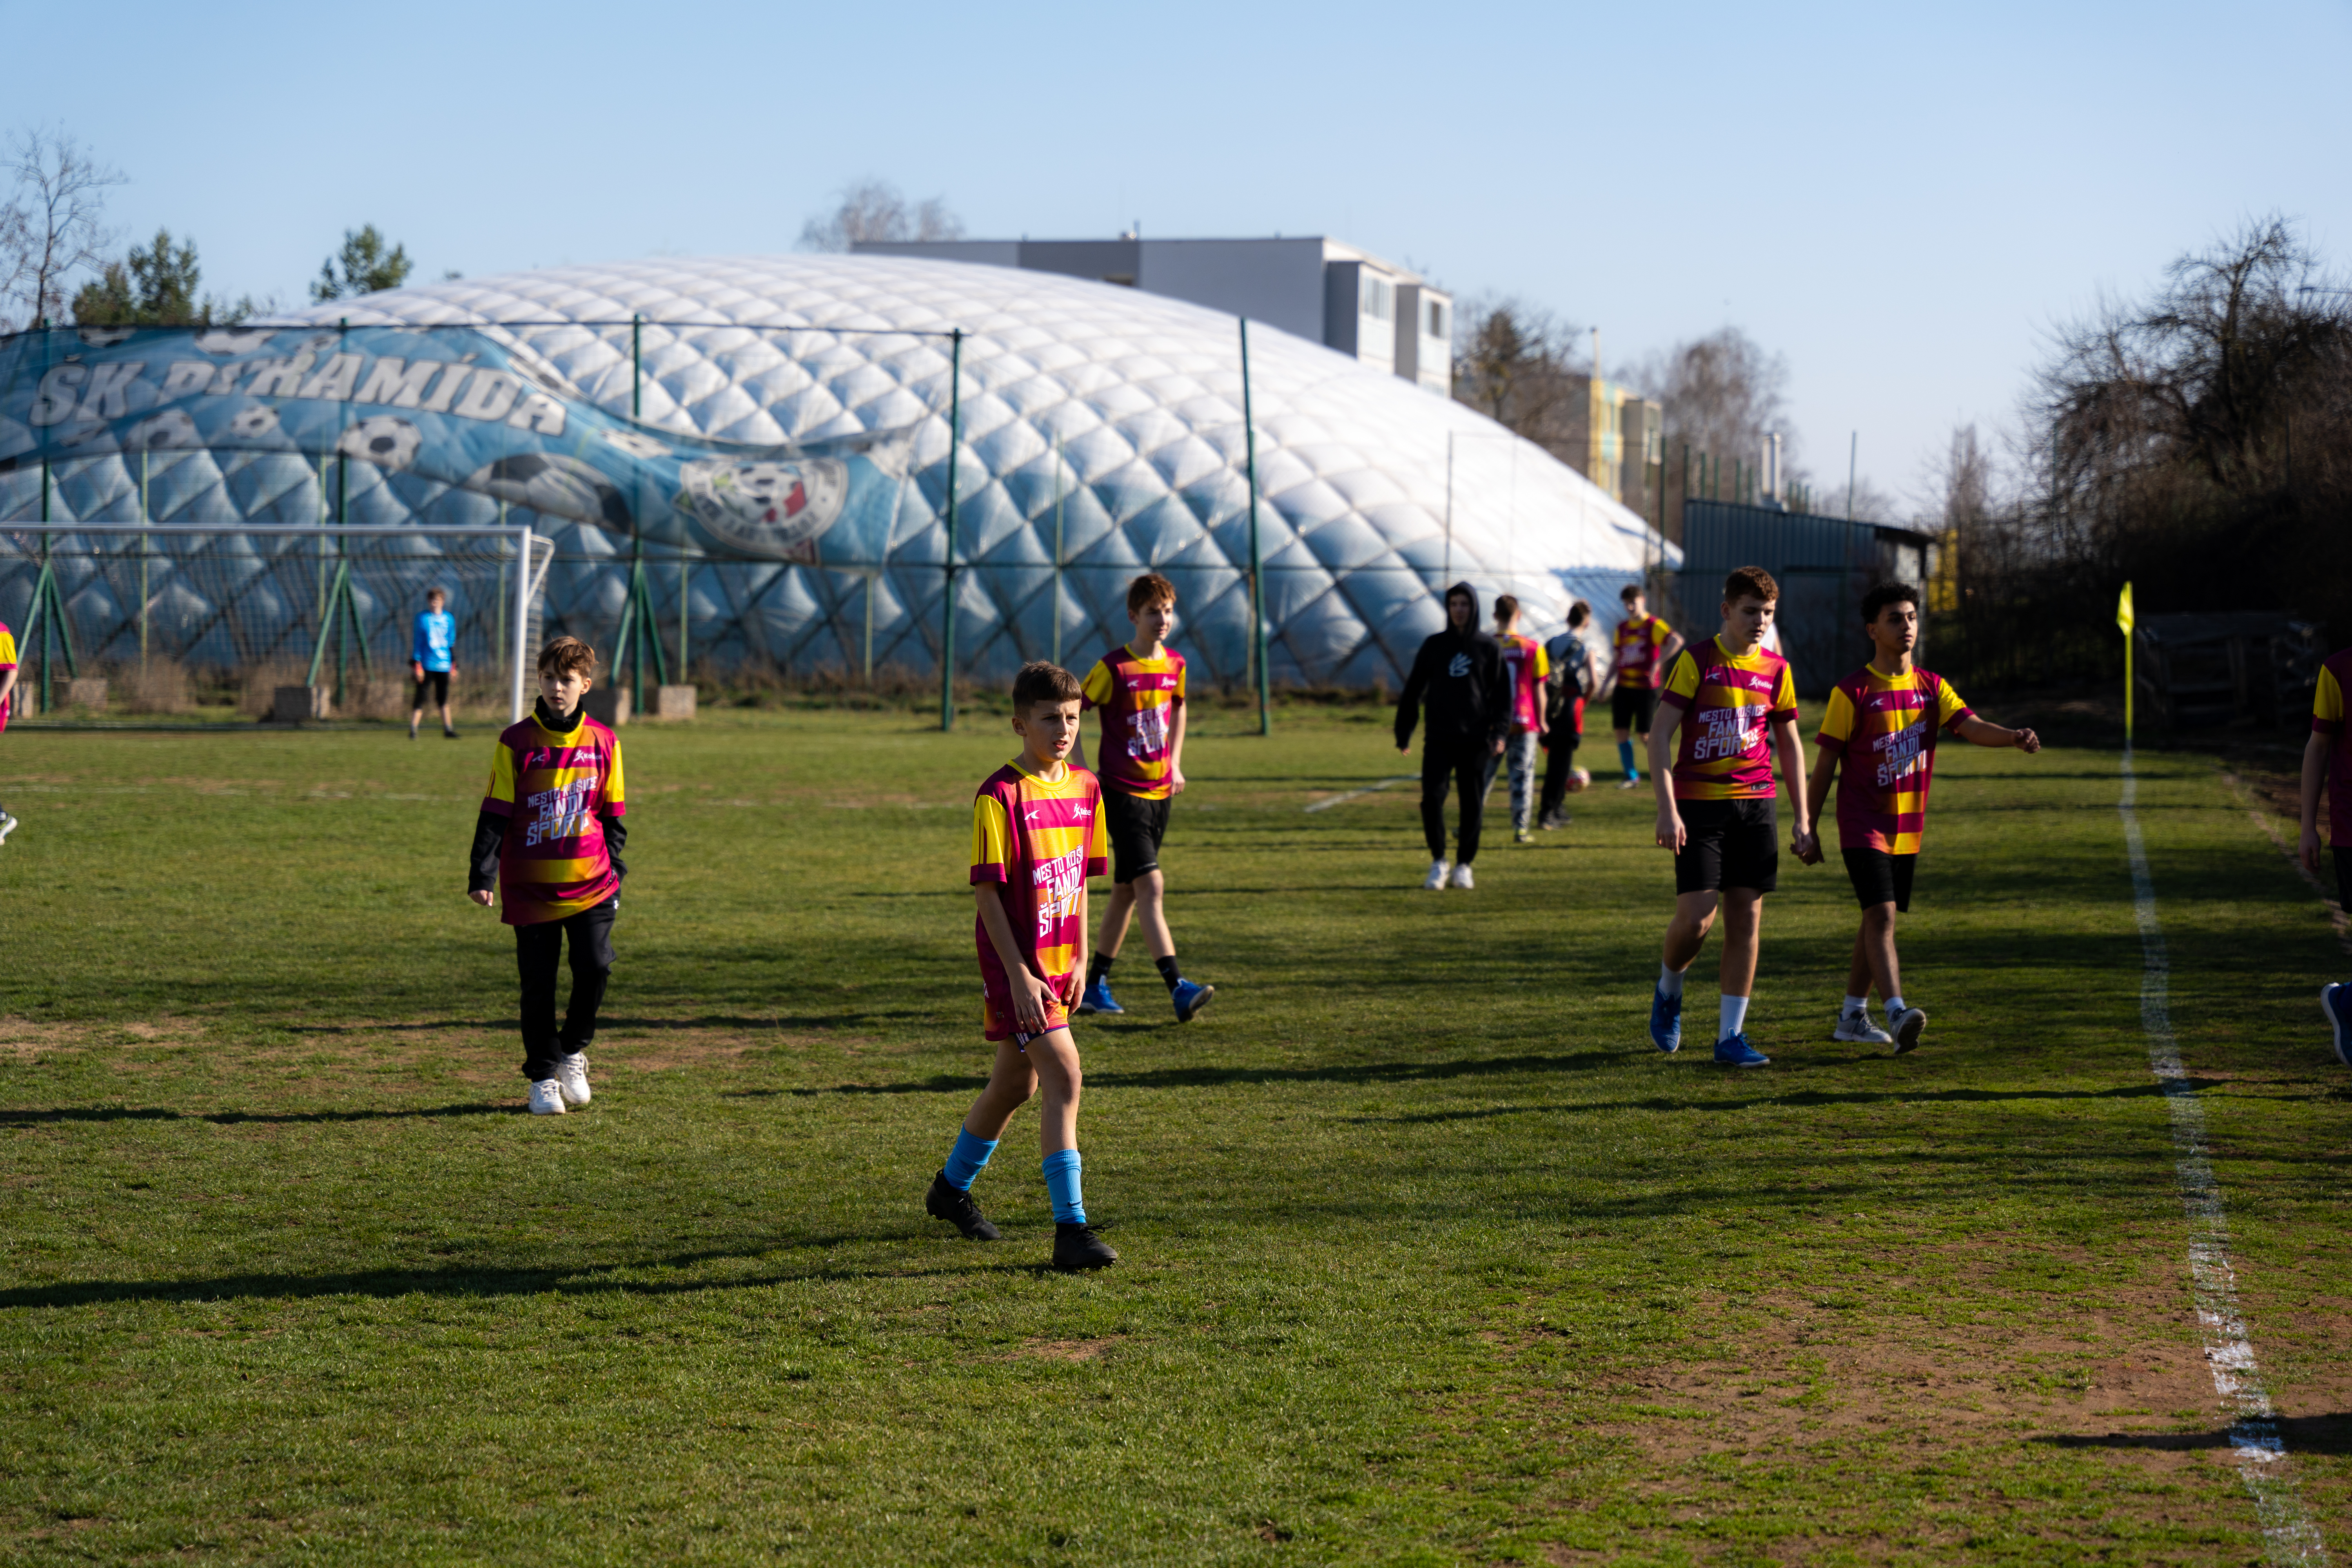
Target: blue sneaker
{"type": "Point", "coordinates": [1666, 1022]}
{"type": "Point", "coordinates": [2336, 1001]}
{"type": "Point", "coordinates": [1097, 999]}
{"type": "Point", "coordinates": [1736, 1052]}
{"type": "Point", "coordinates": [1189, 999]}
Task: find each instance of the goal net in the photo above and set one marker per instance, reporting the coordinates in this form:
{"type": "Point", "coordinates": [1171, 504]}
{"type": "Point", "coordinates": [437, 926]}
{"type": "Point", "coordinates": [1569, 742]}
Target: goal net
{"type": "Point", "coordinates": [175, 618]}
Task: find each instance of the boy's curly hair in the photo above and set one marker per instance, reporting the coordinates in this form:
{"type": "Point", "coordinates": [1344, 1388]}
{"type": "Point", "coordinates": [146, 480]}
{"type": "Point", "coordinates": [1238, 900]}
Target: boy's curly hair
{"type": "Point", "coordinates": [567, 656]}
{"type": "Point", "coordinates": [1750, 583]}
{"type": "Point", "coordinates": [1148, 590]}
{"type": "Point", "coordinates": [1040, 681]}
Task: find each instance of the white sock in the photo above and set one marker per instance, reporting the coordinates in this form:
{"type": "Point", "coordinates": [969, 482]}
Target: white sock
{"type": "Point", "coordinates": [1735, 1017]}
{"type": "Point", "coordinates": [1670, 981]}
{"type": "Point", "coordinates": [1857, 1004]}
{"type": "Point", "coordinates": [1896, 1007]}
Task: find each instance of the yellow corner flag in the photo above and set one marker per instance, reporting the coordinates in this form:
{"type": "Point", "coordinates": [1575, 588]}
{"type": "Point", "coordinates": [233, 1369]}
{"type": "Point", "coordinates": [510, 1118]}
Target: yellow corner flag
{"type": "Point", "coordinates": [2126, 620]}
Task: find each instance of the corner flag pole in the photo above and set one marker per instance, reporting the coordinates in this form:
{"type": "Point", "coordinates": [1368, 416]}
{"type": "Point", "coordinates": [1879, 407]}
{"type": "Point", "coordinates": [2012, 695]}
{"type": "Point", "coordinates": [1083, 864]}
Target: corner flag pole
{"type": "Point", "coordinates": [2126, 620]}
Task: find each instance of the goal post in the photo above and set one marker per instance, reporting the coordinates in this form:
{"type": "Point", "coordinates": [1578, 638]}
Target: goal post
{"type": "Point", "coordinates": [250, 603]}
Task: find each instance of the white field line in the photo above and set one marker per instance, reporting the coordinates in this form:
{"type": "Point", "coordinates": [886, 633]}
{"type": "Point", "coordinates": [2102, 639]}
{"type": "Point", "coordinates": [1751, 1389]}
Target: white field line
{"type": "Point", "coordinates": [1360, 794]}
{"type": "Point", "coordinates": [2254, 1440]}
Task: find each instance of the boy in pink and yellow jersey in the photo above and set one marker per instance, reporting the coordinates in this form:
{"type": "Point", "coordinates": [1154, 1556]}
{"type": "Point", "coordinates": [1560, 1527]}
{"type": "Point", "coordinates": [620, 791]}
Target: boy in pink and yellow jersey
{"type": "Point", "coordinates": [1726, 707]}
{"type": "Point", "coordinates": [1525, 667]}
{"type": "Point", "coordinates": [7, 694]}
{"type": "Point", "coordinates": [1036, 836]}
{"type": "Point", "coordinates": [1878, 741]}
{"type": "Point", "coordinates": [2327, 762]}
{"type": "Point", "coordinates": [1139, 689]}
{"type": "Point", "coordinates": [1640, 652]}
{"type": "Point", "coordinates": [550, 837]}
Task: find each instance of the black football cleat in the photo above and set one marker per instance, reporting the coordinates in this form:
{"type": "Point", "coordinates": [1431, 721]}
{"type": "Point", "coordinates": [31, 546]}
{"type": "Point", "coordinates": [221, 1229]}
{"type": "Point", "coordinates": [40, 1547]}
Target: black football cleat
{"type": "Point", "coordinates": [954, 1205]}
{"type": "Point", "coordinates": [1077, 1246]}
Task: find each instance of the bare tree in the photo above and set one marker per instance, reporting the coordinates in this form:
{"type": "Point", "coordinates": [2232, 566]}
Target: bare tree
{"type": "Point", "coordinates": [873, 208]}
{"type": "Point", "coordinates": [1723, 394]}
{"type": "Point", "coordinates": [51, 226]}
{"type": "Point", "coordinates": [1514, 366]}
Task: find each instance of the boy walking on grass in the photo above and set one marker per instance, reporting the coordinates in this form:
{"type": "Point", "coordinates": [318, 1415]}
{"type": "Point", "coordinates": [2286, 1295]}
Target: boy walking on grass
{"type": "Point", "coordinates": [1459, 673]}
{"type": "Point", "coordinates": [551, 836]}
{"type": "Point", "coordinates": [1881, 727]}
{"type": "Point", "coordinates": [431, 643]}
{"type": "Point", "coordinates": [1140, 687]}
{"type": "Point", "coordinates": [1715, 804]}
{"type": "Point", "coordinates": [1643, 646]}
{"type": "Point", "coordinates": [1572, 675]}
{"type": "Point", "coordinates": [2328, 758]}
{"type": "Point", "coordinates": [1036, 836]}
{"type": "Point", "coordinates": [1524, 669]}
{"type": "Point", "coordinates": [7, 695]}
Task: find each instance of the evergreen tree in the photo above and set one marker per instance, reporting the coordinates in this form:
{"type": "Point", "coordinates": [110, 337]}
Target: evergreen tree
{"type": "Point", "coordinates": [367, 268]}
{"type": "Point", "coordinates": [157, 287]}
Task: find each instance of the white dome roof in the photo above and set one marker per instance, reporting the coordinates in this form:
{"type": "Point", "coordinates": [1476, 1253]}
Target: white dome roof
{"type": "Point", "coordinates": [1143, 394]}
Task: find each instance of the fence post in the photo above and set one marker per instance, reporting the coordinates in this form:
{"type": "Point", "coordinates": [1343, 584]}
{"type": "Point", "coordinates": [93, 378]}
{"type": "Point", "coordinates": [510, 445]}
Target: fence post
{"type": "Point", "coordinates": [1057, 547]}
{"type": "Point", "coordinates": [1258, 566]}
{"type": "Point", "coordinates": [948, 608]}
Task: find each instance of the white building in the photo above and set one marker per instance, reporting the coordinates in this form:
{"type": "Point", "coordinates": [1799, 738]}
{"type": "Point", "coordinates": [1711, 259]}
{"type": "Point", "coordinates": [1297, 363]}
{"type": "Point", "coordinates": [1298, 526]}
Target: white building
{"type": "Point", "coordinates": [1319, 289]}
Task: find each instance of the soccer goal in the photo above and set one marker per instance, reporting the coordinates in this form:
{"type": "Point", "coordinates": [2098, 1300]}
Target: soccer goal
{"type": "Point", "coordinates": [255, 605]}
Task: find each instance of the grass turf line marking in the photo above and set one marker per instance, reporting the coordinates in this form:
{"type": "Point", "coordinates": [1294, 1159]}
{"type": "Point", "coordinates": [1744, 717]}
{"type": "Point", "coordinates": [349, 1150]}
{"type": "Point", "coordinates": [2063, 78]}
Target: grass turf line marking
{"type": "Point", "coordinates": [2254, 1439]}
{"type": "Point", "coordinates": [1360, 794]}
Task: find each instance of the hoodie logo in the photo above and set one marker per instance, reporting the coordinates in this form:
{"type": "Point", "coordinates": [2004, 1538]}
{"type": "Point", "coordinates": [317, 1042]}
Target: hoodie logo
{"type": "Point", "coordinates": [1460, 666]}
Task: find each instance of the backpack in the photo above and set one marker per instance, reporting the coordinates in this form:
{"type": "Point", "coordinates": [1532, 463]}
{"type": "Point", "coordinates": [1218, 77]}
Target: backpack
{"type": "Point", "coordinates": [1567, 677]}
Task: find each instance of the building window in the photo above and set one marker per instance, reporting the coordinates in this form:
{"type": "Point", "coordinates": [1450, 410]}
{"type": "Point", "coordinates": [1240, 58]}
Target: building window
{"type": "Point", "coordinates": [1379, 298]}
{"type": "Point", "coordinates": [1436, 318]}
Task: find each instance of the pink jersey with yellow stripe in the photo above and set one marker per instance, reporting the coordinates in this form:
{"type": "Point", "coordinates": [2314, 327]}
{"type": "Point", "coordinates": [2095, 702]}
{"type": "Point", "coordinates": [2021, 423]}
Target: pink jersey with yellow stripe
{"type": "Point", "coordinates": [1041, 838]}
{"type": "Point", "coordinates": [1723, 747]}
{"type": "Point", "coordinates": [1138, 699]}
{"type": "Point", "coordinates": [555, 788]}
{"type": "Point", "coordinates": [1884, 728]}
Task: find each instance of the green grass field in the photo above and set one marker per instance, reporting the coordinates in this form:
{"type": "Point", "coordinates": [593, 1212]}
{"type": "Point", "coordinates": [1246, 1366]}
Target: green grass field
{"type": "Point", "coordinates": [1428, 1256]}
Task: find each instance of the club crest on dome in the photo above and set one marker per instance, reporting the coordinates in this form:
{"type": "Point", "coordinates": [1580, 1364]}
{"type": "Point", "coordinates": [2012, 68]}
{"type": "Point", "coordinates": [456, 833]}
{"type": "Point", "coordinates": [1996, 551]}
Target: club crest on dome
{"type": "Point", "coordinates": [776, 510]}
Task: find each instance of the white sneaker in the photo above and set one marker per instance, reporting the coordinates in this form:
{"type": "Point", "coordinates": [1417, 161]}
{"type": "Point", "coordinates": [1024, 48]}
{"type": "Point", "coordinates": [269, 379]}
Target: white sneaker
{"type": "Point", "coordinates": [1857, 1029]}
{"type": "Point", "coordinates": [1437, 870]}
{"type": "Point", "coordinates": [8, 825]}
{"type": "Point", "coordinates": [1906, 1025]}
{"type": "Point", "coordinates": [1461, 876]}
{"type": "Point", "coordinates": [1629, 783]}
{"type": "Point", "coordinates": [547, 1098]}
{"type": "Point", "coordinates": [571, 1078]}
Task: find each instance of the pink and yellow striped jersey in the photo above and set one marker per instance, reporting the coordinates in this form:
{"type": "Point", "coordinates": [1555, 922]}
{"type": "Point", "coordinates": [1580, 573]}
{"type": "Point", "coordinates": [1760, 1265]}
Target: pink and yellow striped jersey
{"type": "Point", "coordinates": [1638, 640]}
{"type": "Point", "coordinates": [7, 663]}
{"type": "Point", "coordinates": [1884, 729]}
{"type": "Point", "coordinates": [1723, 748]}
{"type": "Point", "coordinates": [2327, 719]}
{"type": "Point", "coordinates": [1525, 658]}
{"type": "Point", "coordinates": [1042, 839]}
{"type": "Point", "coordinates": [1139, 698]}
{"type": "Point", "coordinates": [554, 788]}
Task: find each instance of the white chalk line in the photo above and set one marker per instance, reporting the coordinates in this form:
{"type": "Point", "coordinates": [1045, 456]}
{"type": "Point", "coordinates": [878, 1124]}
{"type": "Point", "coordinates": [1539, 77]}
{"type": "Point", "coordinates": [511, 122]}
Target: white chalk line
{"type": "Point", "coordinates": [1360, 794]}
{"type": "Point", "coordinates": [2254, 1438]}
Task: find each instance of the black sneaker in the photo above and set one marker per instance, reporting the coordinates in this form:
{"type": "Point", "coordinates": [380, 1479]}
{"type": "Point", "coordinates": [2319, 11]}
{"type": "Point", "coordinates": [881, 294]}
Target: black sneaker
{"type": "Point", "coordinates": [1077, 1246]}
{"type": "Point", "coordinates": [954, 1205]}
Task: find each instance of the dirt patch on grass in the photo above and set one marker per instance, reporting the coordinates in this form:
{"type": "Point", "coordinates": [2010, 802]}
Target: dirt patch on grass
{"type": "Point", "coordinates": [1064, 1349]}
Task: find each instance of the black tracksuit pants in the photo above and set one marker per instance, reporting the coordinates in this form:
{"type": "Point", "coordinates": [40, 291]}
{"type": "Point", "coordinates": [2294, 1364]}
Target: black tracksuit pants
{"type": "Point", "coordinates": [537, 948]}
{"type": "Point", "coordinates": [1466, 771]}
{"type": "Point", "coordinates": [1558, 765]}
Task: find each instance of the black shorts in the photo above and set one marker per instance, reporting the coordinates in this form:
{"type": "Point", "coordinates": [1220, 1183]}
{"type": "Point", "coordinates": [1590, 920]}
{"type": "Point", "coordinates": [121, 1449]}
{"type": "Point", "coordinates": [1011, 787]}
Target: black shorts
{"type": "Point", "coordinates": [1879, 878]}
{"type": "Point", "coordinates": [438, 680]}
{"type": "Point", "coordinates": [1135, 828]}
{"type": "Point", "coordinates": [1632, 710]}
{"type": "Point", "coordinates": [1729, 843]}
{"type": "Point", "coordinates": [2344, 876]}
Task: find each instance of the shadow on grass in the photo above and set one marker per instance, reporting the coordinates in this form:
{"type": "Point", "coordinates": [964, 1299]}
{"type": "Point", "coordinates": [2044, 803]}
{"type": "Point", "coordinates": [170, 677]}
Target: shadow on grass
{"type": "Point", "coordinates": [1804, 1099]}
{"type": "Point", "coordinates": [514, 1026]}
{"type": "Point", "coordinates": [1212, 1078]}
{"type": "Point", "coordinates": [230, 1118]}
{"type": "Point", "coordinates": [481, 1280]}
{"type": "Point", "coordinates": [2301, 1433]}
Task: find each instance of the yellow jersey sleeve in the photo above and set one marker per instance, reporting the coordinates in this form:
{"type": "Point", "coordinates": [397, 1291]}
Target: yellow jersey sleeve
{"type": "Point", "coordinates": [992, 839]}
{"type": "Point", "coordinates": [7, 650]}
{"type": "Point", "coordinates": [1659, 632]}
{"type": "Point", "coordinates": [2327, 702]}
{"type": "Point", "coordinates": [1949, 707]}
{"type": "Point", "coordinates": [1182, 671]}
{"type": "Point", "coordinates": [1784, 692]}
{"type": "Point", "coordinates": [1682, 680]}
{"type": "Point", "coordinates": [502, 778]}
{"type": "Point", "coordinates": [614, 801]}
{"type": "Point", "coordinates": [1837, 718]}
{"type": "Point", "coordinates": [1543, 663]}
{"type": "Point", "coordinates": [1098, 841]}
{"type": "Point", "coordinates": [1096, 687]}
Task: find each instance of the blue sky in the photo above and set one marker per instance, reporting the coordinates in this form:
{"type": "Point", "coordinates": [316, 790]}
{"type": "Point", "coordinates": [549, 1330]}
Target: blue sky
{"type": "Point", "coordinates": [1902, 200]}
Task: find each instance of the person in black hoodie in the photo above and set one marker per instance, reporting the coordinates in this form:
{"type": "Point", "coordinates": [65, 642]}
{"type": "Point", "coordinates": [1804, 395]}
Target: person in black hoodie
{"type": "Point", "coordinates": [1459, 673]}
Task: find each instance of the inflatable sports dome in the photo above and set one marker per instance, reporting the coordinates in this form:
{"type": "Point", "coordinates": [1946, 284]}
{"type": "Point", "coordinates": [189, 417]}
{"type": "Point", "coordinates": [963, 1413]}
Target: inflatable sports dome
{"type": "Point", "coordinates": [1100, 434]}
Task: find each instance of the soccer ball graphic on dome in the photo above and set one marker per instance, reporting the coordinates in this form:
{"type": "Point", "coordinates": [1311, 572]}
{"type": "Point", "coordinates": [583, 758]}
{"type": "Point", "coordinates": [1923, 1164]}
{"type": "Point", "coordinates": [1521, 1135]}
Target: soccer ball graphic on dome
{"type": "Point", "coordinates": [557, 486]}
{"type": "Point", "coordinates": [172, 428]}
{"type": "Point", "coordinates": [258, 423]}
{"type": "Point", "coordinates": [775, 511]}
{"type": "Point", "coordinates": [390, 444]}
{"type": "Point", "coordinates": [234, 339]}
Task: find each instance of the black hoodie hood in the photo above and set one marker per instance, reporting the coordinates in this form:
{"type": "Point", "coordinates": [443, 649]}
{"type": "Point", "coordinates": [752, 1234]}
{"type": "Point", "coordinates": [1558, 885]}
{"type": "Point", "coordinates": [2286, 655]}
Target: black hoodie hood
{"type": "Point", "coordinates": [1464, 588]}
{"type": "Point", "coordinates": [1460, 676]}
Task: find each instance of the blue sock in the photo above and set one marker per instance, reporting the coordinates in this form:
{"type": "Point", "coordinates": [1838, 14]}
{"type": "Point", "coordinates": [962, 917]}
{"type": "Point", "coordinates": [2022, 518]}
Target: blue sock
{"type": "Point", "coordinates": [1061, 1168]}
{"type": "Point", "coordinates": [965, 1160]}
{"type": "Point", "coordinates": [1625, 758]}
